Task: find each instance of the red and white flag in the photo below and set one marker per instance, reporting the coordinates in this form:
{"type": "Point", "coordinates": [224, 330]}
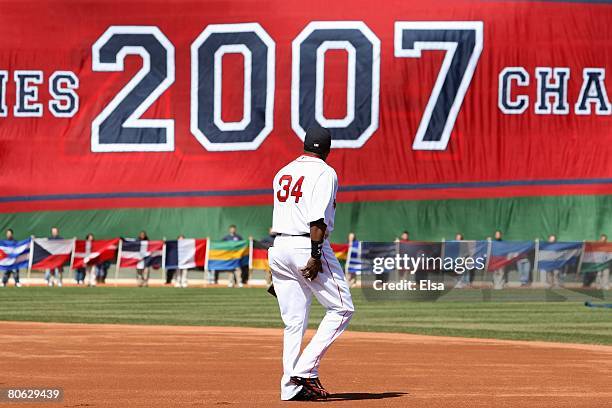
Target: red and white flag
{"type": "Point", "coordinates": [51, 253]}
{"type": "Point", "coordinates": [94, 252]}
{"type": "Point", "coordinates": [140, 254]}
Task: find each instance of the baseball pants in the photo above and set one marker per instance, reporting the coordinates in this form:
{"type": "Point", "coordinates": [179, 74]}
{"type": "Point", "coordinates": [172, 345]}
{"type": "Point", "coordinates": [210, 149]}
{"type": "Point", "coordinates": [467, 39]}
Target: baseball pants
{"type": "Point", "coordinates": [294, 292]}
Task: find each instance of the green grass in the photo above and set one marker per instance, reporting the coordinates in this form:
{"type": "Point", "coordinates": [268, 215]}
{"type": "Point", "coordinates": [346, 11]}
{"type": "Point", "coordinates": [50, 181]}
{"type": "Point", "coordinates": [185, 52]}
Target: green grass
{"type": "Point", "coordinates": [568, 321]}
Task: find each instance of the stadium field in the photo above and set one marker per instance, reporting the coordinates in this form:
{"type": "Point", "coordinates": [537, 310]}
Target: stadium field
{"type": "Point", "coordinates": [568, 321]}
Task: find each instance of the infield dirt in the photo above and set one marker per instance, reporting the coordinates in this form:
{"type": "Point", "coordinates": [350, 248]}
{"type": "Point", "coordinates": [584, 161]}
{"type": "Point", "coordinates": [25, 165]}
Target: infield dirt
{"type": "Point", "coordinates": [171, 366]}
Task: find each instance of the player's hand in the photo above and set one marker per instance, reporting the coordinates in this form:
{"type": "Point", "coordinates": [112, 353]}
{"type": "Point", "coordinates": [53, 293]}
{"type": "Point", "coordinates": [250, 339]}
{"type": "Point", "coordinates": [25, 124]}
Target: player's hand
{"type": "Point", "coordinates": [312, 269]}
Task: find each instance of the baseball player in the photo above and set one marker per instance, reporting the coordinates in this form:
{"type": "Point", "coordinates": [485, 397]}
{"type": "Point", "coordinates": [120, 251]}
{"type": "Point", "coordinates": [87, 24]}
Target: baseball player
{"type": "Point", "coordinates": [303, 264]}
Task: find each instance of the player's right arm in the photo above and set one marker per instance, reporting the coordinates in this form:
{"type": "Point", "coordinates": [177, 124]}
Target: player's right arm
{"type": "Point", "coordinates": [321, 199]}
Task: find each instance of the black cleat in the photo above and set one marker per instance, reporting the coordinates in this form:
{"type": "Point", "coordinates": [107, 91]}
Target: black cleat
{"type": "Point", "coordinates": [305, 395]}
{"type": "Point", "coordinates": [312, 384]}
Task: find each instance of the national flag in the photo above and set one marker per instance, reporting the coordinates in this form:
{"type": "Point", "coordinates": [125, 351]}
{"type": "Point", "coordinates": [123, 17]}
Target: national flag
{"type": "Point", "coordinates": [140, 254]}
{"type": "Point", "coordinates": [555, 255]}
{"type": "Point", "coordinates": [354, 258]}
{"type": "Point", "coordinates": [341, 252]}
{"type": "Point", "coordinates": [227, 255]}
{"type": "Point", "coordinates": [504, 253]}
{"type": "Point", "coordinates": [370, 251]}
{"type": "Point", "coordinates": [258, 257]}
{"type": "Point", "coordinates": [94, 252]}
{"type": "Point", "coordinates": [465, 249]}
{"type": "Point", "coordinates": [597, 256]}
{"type": "Point", "coordinates": [430, 252]}
{"type": "Point", "coordinates": [185, 253]}
{"type": "Point", "coordinates": [51, 253]}
{"type": "Point", "coordinates": [419, 248]}
{"type": "Point", "coordinates": [14, 254]}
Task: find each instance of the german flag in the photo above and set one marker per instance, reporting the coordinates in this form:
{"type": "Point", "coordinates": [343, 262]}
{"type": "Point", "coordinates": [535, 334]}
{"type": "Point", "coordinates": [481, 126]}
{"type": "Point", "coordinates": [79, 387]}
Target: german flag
{"type": "Point", "coordinates": [259, 256]}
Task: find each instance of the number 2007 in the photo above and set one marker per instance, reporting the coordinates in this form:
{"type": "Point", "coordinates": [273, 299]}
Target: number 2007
{"type": "Point", "coordinates": [120, 126]}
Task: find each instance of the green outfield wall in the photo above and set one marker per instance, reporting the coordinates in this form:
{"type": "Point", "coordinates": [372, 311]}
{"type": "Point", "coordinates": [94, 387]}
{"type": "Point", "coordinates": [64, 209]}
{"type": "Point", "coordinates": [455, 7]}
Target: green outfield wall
{"type": "Point", "coordinates": [570, 217]}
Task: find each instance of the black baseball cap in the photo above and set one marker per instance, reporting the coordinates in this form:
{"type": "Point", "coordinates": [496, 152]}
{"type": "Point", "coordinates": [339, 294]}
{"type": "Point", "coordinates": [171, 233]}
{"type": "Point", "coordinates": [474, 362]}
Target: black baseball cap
{"type": "Point", "coordinates": [317, 140]}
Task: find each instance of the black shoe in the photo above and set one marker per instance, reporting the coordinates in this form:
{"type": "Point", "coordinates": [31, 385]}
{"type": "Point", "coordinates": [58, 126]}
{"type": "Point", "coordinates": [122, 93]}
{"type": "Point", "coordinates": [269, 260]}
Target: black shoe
{"type": "Point", "coordinates": [305, 395]}
{"type": "Point", "coordinates": [312, 384]}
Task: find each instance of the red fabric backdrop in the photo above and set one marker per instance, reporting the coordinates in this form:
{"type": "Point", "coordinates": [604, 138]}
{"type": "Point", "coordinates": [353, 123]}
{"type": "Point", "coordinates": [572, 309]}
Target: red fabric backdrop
{"type": "Point", "coordinates": [50, 158]}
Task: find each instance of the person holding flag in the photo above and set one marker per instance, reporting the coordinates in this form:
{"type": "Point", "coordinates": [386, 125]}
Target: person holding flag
{"type": "Point", "coordinates": [142, 270]}
{"type": "Point", "coordinates": [353, 263]}
{"type": "Point", "coordinates": [553, 275]}
{"type": "Point", "coordinates": [90, 268]}
{"type": "Point", "coordinates": [54, 275]}
{"type": "Point", "coordinates": [603, 276]}
{"type": "Point", "coordinates": [12, 255]}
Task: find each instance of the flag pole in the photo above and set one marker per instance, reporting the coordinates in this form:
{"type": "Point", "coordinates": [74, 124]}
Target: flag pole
{"type": "Point", "coordinates": [397, 252]}
{"type": "Point", "coordinates": [31, 258]}
{"type": "Point", "coordinates": [536, 258]}
{"type": "Point", "coordinates": [250, 253]}
{"type": "Point", "coordinates": [360, 263]}
{"type": "Point", "coordinates": [348, 256]}
{"type": "Point", "coordinates": [488, 255]}
{"type": "Point", "coordinates": [118, 261]}
{"type": "Point", "coordinates": [163, 271]}
{"type": "Point", "coordinates": [72, 257]}
{"type": "Point", "coordinates": [206, 271]}
{"type": "Point", "coordinates": [442, 253]}
{"type": "Point", "coordinates": [581, 256]}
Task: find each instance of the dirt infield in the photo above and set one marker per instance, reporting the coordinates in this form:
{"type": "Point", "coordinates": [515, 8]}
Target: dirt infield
{"type": "Point", "coordinates": [166, 366]}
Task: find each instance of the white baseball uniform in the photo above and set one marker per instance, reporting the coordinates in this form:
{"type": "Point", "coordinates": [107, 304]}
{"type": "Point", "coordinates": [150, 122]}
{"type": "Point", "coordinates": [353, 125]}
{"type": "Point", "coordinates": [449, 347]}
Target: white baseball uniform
{"type": "Point", "coordinates": [305, 191]}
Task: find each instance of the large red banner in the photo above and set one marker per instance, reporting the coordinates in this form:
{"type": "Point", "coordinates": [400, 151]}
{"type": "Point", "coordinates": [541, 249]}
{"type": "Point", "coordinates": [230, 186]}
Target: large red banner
{"type": "Point", "coordinates": [116, 104]}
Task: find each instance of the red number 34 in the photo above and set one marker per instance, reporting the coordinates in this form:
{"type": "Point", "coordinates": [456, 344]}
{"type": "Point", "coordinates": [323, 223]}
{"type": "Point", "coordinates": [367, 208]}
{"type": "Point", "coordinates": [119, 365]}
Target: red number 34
{"type": "Point", "coordinates": [285, 188]}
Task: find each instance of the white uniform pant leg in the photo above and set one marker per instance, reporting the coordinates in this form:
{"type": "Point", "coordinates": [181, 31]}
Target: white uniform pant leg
{"type": "Point", "coordinates": [294, 299]}
{"type": "Point", "coordinates": [332, 291]}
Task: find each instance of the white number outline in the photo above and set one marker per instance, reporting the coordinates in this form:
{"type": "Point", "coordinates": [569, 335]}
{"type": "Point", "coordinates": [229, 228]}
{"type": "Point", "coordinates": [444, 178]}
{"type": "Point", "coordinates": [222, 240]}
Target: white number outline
{"type": "Point", "coordinates": [350, 86]}
{"type": "Point", "coordinates": [258, 30]}
{"type": "Point", "coordinates": [134, 120]}
{"type": "Point", "coordinates": [218, 86]}
{"type": "Point", "coordinates": [450, 48]}
{"type": "Point", "coordinates": [295, 79]}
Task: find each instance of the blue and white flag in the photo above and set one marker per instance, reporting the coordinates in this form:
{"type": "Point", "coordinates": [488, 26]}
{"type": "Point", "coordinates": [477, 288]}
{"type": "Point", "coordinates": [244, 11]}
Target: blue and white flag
{"type": "Point", "coordinates": [371, 251]}
{"type": "Point", "coordinates": [14, 254]}
{"type": "Point", "coordinates": [354, 258]}
{"type": "Point", "coordinates": [555, 255]}
{"type": "Point", "coordinates": [140, 254]}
